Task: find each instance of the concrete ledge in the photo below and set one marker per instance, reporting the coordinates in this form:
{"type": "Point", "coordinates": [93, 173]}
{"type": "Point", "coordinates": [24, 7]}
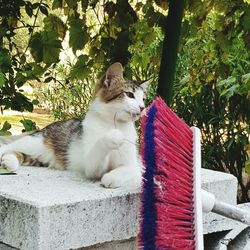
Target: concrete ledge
{"type": "Point", "coordinates": [237, 238]}
{"type": "Point", "coordinates": [48, 209]}
{"type": "Point", "coordinates": [42, 209]}
{"type": "Point", "coordinates": [224, 187]}
{"type": "Point", "coordinates": [130, 244]}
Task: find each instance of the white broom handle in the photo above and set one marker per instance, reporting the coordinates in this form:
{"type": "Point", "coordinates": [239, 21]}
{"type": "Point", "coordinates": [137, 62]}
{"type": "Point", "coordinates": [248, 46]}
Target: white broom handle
{"type": "Point", "coordinates": [209, 203]}
{"type": "Point", "coordinates": [231, 211]}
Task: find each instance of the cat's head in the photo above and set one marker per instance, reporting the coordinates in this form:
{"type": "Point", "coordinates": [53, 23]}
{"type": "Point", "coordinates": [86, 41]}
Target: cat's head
{"type": "Point", "coordinates": [125, 98]}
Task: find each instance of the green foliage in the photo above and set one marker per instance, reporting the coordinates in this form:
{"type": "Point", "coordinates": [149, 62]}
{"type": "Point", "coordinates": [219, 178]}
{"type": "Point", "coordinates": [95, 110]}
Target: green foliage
{"type": "Point", "coordinates": [70, 96]}
{"type": "Point", "coordinates": [2, 79]}
{"type": "Point", "coordinates": [54, 24]}
{"type": "Point", "coordinates": [78, 35]}
{"type": "Point", "coordinates": [144, 49]}
{"type": "Point", "coordinates": [45, 47]}
{"type": "Point", "coordinates": [28, 125]}
{"type": "Point", "coordinates": [81, 70]}
{"type": "Point", "coordinates": [212, 91]}
{"type": "Point", "coordinates": [4, 131]}
{"type": "Point", "coordinates": [15, 69]}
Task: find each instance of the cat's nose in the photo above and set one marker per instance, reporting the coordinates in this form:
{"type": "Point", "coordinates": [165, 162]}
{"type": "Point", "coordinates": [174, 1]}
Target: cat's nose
{"type": "Point", "coordinates": [141, 108]}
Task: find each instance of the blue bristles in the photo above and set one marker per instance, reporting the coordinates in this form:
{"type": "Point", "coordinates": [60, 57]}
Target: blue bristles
{"type": "Point", "coordinates": [149, 213]}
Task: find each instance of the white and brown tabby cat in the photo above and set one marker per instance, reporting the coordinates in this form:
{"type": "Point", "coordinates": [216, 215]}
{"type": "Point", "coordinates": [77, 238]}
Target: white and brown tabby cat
{"type": "Point", "coordinates": [101, 146]}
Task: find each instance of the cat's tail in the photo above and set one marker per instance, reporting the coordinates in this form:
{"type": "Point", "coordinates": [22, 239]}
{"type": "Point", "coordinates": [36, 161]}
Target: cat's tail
{"type": "Point", "coordinates": [12, 138]}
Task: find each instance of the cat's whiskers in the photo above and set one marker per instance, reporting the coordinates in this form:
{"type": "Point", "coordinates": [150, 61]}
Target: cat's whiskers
{"type": "Point", "coordinates": [115, 119]}
{"type": "Point", "coordinates": [116, 127]}
{"type": "Point", "coordinates": [131, 142]}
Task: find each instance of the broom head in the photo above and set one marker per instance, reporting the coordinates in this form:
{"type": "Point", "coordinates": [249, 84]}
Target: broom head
{"type": "Point", "coordinates": [171, 214]}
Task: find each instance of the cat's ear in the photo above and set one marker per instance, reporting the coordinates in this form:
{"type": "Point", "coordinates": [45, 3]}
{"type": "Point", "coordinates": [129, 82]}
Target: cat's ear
{"type": "Point", "coordinates": [146, 83]}
{"type": "Point", "coordinates": [115, 70]}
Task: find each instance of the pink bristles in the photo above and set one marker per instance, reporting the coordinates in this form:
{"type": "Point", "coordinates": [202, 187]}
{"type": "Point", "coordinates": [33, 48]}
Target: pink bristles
{"type": "Point", "coordinates": [173, 180]}
{"type": "Point", "coordinates": [174, 162]}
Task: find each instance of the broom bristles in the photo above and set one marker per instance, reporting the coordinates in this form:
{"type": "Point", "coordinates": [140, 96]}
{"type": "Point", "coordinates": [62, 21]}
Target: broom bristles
{"type": "Point", "coordinates": [167, 211]}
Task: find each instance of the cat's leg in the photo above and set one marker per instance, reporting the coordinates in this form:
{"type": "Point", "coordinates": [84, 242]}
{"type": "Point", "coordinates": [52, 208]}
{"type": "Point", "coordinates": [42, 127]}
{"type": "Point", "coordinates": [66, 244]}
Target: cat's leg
{"type": "Point", "coordinates": [97, 159]}
{"type": "Point", "coordinates": [121, 175]}
{"type": "Point", "coordinates": [10, 161]}
{"type": "Point", "coordinates": [29, 145]}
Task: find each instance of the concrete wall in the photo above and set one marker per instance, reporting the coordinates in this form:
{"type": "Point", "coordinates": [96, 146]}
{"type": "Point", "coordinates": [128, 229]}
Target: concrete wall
{"type": "Point", "coordinates": [43, 209]}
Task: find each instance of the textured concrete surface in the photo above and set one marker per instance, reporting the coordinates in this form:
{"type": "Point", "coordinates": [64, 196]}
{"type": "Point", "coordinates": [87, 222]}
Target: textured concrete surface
{"type": "Point", "coordinates": [49, 209]}
{"type": "Point", "coordinates": [6, 247]}
{"type": "Point", "coordinates": [236, 239]}
{"type": "Point", "coordinates": [130, 244]}
{"type": "Point", "coordinates": [224, 187]}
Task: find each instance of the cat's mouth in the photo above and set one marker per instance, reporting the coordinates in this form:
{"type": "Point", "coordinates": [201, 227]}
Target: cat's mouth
{"type": "Point", "coordinates": [134, 115]}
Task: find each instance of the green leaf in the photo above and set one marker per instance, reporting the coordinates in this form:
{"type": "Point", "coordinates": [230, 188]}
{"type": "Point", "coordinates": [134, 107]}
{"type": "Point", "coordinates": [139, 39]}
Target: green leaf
{"type": "Point", "coordinates": [93, 3]}
{"type": "Point", "coordinates": [44, 10]}
{"type": "Point", "coordinates": [227, 82]}
{"type": "Point", "coordinates": [5, 133]}
{"type": "Point", "coordinates": [80, 70]}
{"type": "Point", "coordinates": [248, 167]}
{"type": "Point", "coordinates": [4, 171]}
{"type": "Point", "coordinates": [29, 10]}
{"type": "Point", "coordinates": [53, 23]}
{"type": "Point", "coordinates": [78, 35]}
{"type": "Point", "coordinates": [71, 3]}
{"type": "Point", "coordinates": [6, 126]}
{"type": "Point", "coordinates": [84, 4]}
{"type": "Point", "coordinates": [36, 47]}
{"type": "Point", "coordinates": [230, 91]}
{"type": "Point", "coordinates": [246, 78]}
{"type": "Point", "coordinates": [3, 31]}
{"type": "Point", "coordinates": [4, 130]}
{"type": "Point", "coordinates": [45, 47]}
{"type": "Point", "coordinates": [20, 103]}
{"type": "Point", "coordinates": [20, 79]}
{"type": "Point", "coordinates": [35, 102]}
{"type": "Point", "coordinates": [28, 125]}
{"type": "Point", "coordinates": [2, 79]}
{"type": "Point", "coordinates": [246, 19]}
{"type": "Point", "coordinates": [48, 79]}
{"type": "Point", "coordinates": [245, 84]}
{"type": "Point", "coordinates": [222, 41]}
{"type": "Point", "coordinates": [23, 59]}
{"type": "Point", "coordinates": [37, 69]}
{"type": "Point", "coordinates": [218, 22]}
{"type": "Point", "coordinates": [51, 48]}
{"type": "Point", "coordinates": [35, 5]}
{"type": "Point", "coordinates": [5, 60]}
{"type": "Point", "coordinates": [57, 4]}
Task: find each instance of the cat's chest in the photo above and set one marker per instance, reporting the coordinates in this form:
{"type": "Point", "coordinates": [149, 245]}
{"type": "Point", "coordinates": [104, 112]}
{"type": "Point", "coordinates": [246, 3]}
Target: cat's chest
{"type": "Point", "coordinates": [95, 130]}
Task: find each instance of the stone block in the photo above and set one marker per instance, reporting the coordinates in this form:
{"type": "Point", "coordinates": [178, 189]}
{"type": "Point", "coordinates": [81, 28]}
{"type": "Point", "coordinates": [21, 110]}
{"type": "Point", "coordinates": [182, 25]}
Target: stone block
{"type": "Point", "coordinates": [46, 209]}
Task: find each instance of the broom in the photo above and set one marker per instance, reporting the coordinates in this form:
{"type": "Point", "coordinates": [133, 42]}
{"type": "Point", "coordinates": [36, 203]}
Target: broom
{"type": "Point", "coordinates": [172, 199]}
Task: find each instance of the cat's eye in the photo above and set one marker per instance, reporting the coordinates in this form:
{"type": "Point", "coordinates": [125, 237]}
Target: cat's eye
{"type": "Point", "coordinates": [130, 94]}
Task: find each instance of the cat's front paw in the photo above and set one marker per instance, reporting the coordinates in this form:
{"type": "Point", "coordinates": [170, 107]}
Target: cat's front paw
{"type": "Point", "coordinates": [10, 162]}
{"type": "Point", "coordinates": [2, 150]}
{"type": "Point", "coordinates": [112, 180]}
{"type": "Point", "coordinates": [114, 139]}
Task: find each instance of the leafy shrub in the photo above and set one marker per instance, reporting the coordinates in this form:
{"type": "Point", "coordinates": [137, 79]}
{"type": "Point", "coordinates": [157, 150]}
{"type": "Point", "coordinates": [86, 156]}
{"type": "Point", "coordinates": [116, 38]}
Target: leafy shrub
{"type": "Point", "coordinates": [67, 91]}
{"type": "Point", "coordinates": [213, 94]}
